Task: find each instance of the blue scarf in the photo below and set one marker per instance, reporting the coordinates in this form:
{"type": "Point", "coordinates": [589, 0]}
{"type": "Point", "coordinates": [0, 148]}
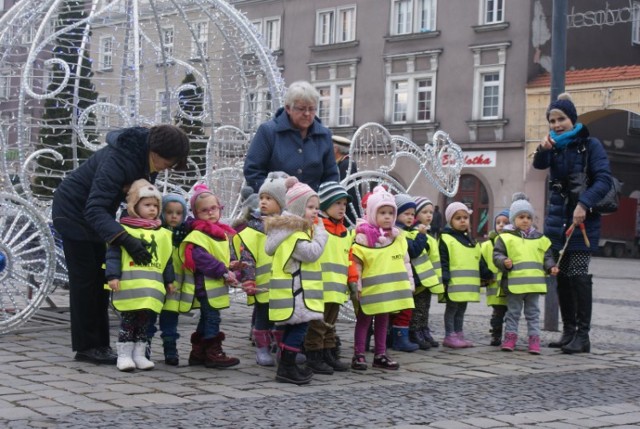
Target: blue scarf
{"type": "Point", "coordinates": [564, 139]}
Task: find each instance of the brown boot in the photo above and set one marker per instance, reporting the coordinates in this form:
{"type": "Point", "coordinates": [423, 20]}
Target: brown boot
{"type": "Point", "coordinates": [215, 356]}
{"type": "Point", "coordinates": [196, 357]}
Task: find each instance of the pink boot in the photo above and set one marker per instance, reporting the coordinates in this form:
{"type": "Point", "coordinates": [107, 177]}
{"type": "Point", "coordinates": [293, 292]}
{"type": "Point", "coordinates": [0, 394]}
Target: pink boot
{"type": "Point", "coordinates": [510, 340]}
{"type": "Point", "coordinates": [466, 343]}
{"type": "Point", "coordinates": [452, 341]}
{"type": "Point", "coordinates": [534, 345]}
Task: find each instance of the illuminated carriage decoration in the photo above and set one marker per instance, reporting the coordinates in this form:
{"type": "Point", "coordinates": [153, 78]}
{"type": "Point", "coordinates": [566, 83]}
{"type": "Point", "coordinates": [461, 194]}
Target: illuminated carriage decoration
{"type": "Point", "coordinates": [72, 70]}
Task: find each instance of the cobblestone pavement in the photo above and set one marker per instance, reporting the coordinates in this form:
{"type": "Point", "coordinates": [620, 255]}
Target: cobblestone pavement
{"type": "Point", "coordinates": [41, 386]}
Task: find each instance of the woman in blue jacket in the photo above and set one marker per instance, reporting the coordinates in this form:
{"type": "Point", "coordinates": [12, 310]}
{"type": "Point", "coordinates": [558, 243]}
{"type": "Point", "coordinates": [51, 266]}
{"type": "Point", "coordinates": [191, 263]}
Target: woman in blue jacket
{"type": "Point", "coordinates": [83, 212]}
{"type": "Point", "coordinates": [294, 141]}
{"type": "Point", "coordinates": [564, 152]}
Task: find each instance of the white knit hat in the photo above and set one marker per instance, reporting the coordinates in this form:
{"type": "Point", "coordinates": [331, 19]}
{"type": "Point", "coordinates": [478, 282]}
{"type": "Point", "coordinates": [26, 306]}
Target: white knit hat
{"type": "Point", "coordinates": [453, 208]}
{"type": "Point", "coordinates": [298, 194]}
{"type": "Point", "coordinates": [274, 187]}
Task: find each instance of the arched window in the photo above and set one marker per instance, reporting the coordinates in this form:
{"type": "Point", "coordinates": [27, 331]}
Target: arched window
{"type": "Point", "coordinates": [473, 193]}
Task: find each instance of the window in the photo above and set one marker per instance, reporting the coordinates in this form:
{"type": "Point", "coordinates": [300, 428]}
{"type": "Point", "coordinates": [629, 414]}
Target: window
{"type": "Point", "coordinates": [412, 16]}
{"type": "Point", "coordinates": [336, 25]}
{"type": "Point", "coordinates": [488, 82]}
{"type": "Point", "coordinates": [335, 107]}
{"type": "Point", "coordinates": [411, 98]}
{"type": "Point", "coordinates": [492, 12]}
{"type": "Point", "coordinates": [163, 109]}
{"type": "Point", "coordinates": [258, 108]}
{"type": "Point", "coordinates": [424, 100]}
{"type": "Point", "coordinates": [131, 49]}
{"type": "Point", "coordinates": [400, 96]}
{"type": "Point", "coordinates": [634, 123]}
{"type": "Point", "coordinates": [167, 42]}
{"type": "Point", "coordinates": [106, 53]}
{"type": "Point", "coordinates": [103, 113]}
{"type": "Point", "coordinates": [635, 26]}
{"type": "Point", "coordinates": [345, 105]}
{"type": "Point", "coordinates": [324, 104]}
{"type": "Point", "coordinates": [272, 33]}
{"type": "Point", "coordinates": [201, 32]}
{"type": "Point", "coordinates": [490, 95]}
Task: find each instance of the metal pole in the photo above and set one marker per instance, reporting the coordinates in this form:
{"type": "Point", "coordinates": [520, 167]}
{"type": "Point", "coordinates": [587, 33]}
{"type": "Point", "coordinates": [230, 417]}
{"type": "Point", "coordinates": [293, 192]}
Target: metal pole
{"type": "Point", "coordinates": [558, 67]}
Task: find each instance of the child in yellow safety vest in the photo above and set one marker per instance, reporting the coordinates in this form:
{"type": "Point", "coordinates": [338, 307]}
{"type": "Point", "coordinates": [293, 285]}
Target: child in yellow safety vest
{"type": "Point", "coordinates": [139, 290]}
{"type": "Point", "coordinates": [206, 258]}
{"type": "Point", "coordinates": [524, 255]}
{"type": "Point", "coordinates": [462, 270]}
{"type": "Point", "coordinates": [296, 240]}
{"type": "Point", "coordinates": [385, 282]}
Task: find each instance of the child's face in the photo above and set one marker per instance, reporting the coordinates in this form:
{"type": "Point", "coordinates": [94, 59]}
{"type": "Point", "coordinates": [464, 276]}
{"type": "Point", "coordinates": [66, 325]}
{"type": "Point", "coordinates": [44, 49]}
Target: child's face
{"type": "Point", "coordinates": [407, 217]}
{"type": "Point", "coordinates": [312, 208]}
{"type": "Point", "coordinates": [559, 122]}
{"type": "Point", "coordinates": [460, 221]}
{"type": "Point", "coordinates": [501, 222]}
{"type": "Point", "coordinates": [425, 215]}
{"type": "Point", "coordinates": [384, 217]}
{"type": "Point", "coordinates": [338, 209]}
{"type": "Point", "coordinates": [208, 208]}
{"type": "Point", "coordinates": [173, 214]}
{"type": "Point", "coordinates": [523, 221]}
{"type": "Point", "coordinates": [268, 205]}
{"type": "Point", "coordinates": [148, 208]}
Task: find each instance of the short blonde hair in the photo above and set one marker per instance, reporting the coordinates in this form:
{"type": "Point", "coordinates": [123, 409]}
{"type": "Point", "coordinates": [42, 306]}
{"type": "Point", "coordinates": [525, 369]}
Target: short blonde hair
{"type": "Point", "coordinates": [301, 91]}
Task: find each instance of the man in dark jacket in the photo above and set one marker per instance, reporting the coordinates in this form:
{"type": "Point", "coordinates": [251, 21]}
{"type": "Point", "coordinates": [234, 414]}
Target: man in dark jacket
{"type": "Point", "coordinates": [83, 212]}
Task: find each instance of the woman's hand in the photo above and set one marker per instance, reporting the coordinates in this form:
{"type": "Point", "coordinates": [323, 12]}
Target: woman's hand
{"type": "Point", "coordinates": [579, 214]}
{"type": "Point", "coordinates": [547, 143]}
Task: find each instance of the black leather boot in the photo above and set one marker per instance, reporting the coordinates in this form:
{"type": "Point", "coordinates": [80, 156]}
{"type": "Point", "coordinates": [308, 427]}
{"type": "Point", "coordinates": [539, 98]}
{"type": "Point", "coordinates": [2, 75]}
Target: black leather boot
{"type": "Point", "coordinates": [288, 370]}
{"type": "Point", "coordinates": [584, 291]}
{"type": "Point", "coordinates": [332, 358]}
{"type": "Point", "coordinates": [315, 361]}
{"type": "Point", "coordinates": [567, 301]}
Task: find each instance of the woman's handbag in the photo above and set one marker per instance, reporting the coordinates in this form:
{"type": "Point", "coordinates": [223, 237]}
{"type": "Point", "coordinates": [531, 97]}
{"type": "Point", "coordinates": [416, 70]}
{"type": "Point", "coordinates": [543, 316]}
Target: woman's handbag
{"type": "Point", "coordinates": [579, 182]}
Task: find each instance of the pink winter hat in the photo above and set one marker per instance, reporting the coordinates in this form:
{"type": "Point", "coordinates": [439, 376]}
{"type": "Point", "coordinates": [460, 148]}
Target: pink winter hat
{"type": "Point", "coordinates": [298, 194]}
{"type": "Point", "coordinates": [196, 192]}
{"type": "Point", "coordinates": [379, 198]}
{"type": "Point", "coordinates": [453, 208]}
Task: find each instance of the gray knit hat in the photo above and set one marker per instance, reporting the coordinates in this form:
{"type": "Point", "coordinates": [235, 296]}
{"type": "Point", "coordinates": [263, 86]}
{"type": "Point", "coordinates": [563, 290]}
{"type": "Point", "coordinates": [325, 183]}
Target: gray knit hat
{"type": "Point", "coordinates": [298, 194]}
{"type": "Point", "coordinates": [330, 192]}
{"type": "Point", "coordinates": [404, 202]}
{"type": "Point", "coordinates": [249, 199]}
{"type": "Point", "coordinates": [274, 187]}
{"type": "Point", "coordinates": [422, 202]}
{"type": "Point", "coordinates": [520, 205]}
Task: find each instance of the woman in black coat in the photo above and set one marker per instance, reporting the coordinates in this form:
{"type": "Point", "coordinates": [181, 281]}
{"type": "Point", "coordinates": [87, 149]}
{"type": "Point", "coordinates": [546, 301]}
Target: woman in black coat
{"type": "Point", "coordinates": [83, 212]}
{"type": "Point", "coordinates": [564, 151]}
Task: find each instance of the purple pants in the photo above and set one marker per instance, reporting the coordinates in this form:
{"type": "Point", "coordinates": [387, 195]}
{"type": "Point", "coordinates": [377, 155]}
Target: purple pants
{"type": "Point", "coordinates": [379, 332]}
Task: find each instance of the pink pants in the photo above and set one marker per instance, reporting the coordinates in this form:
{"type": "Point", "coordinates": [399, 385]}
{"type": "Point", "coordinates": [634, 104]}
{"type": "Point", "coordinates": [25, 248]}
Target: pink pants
{"type": "Point", "coordinates": [379, 332]}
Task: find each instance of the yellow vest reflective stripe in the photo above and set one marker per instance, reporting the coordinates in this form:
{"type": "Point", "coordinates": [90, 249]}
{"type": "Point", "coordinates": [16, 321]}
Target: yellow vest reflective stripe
{"type": "Point", "coordinates": [527, 254]}
{"type": "Point", "coordinates": [385, 281]}
{"type": "Point", "coordinates": [281, 296]}
{"type": "Point", "coordinates": [424, 269]}
{"type": "Point", "coordinates": [335, 266]}
{"type": "Point", "coordinates": [142, 286]}
{"type": "Point", "coordinates": [253, 241]}
{"type": "Point", "coordinates": [494, 294]}
{"type": "Point", "coordinates": [217, 291]}
{"type": "Point", "coordinates": [172, 300]}
{"type": "Point", "coordinates": [464, 269]}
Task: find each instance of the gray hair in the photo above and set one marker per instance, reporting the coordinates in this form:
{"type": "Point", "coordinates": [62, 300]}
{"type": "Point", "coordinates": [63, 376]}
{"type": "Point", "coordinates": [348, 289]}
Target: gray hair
{"type": "Point", "coordinates": [342, 150]}
{"type": "Point", "coordinates": [301, 91]}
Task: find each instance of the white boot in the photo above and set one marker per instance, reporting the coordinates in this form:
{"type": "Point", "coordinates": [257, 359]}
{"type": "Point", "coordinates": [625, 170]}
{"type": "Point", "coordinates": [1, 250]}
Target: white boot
{"type": "Point", "coordinates": [125, 352]}
{"type": "Point", "coordinates": [140, 360]}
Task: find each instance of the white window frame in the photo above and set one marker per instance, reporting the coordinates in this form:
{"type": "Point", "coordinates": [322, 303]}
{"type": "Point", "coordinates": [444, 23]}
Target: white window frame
{"type": "Point", "coordinates": [335, 30]}
{"type": "Point", "coordinates": [492, 12]}
{"type": "Point", "coordinates": [635, 25]}
{"type": "Point", "coordinates": [272, 29]}
{"type": "Point", "coordinates": [260, 109]}
{"type": "Point", "coordinates": [413, 11]}
{"type": "Point", "coordinates": [337, 118]}
{"type": "Point", "coordinates": [411, 103]}
{"type": "Point", "coordinates": [106, 55]}
{"type": "Point", "coordinates": [479, 89]}
{"type": "Point", "coordinates": [324, 103]}
{"type": "Point", "coordinates": [103, 120]}
{"type": "Point", "coordinates": [201, 30]}
{"type": "Point", "coordinates": [168, 46]}
{"type": "Point", "coordinates": [429, 90]}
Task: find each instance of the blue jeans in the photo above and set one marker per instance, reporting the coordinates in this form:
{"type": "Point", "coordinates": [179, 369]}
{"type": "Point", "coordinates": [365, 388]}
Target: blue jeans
{"type": "Point", "coordinates": [515, 303]}
{"type": "Point", "coordinates": [262, 322]}
{"type": "Point", "coordinates": [294, 334]}
{"type": "Point", "coordinates": [209, 323]}
{"type": "Point", "coordinates": [168, 324]}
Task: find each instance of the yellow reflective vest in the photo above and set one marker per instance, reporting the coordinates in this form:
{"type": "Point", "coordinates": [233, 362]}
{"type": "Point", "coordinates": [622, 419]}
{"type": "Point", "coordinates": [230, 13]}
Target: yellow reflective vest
{"type": "Point", "coordinates": [527, 255]}
{"type": "Point", "coordinates": [464, 269]}
{"type": "Point", "coordinates": [142, 286]}
{"type": "Point", "coordinates": [423, 267]}
{"type": "Point", "coordinates": [385, 281]}
{"type": "Point", "coordinates": [172, 300]}
{"type": "Point", "coordinates": [335, 262]}
{"type": "Point", "coordinates": [217, 291]}
{"type": "Point", "coordinates": [253, 241]}
{"type": "Point", "coordinates": [281, 293]}
{"type": "Point", "coordinates": [495, 295]}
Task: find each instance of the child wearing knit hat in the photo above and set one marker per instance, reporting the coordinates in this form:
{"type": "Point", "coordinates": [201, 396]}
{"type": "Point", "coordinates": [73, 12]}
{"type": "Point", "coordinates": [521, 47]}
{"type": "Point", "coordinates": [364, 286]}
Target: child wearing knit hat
{"type": "Point", "coordinates": [173, 214]}
{"type": "Point", "coordinates": [462, 270]}
{"type": "Point", "coordinates": [296, 241]}
{"type": "Point", "coordinates": [206, 257]}
{"type": "Point", "coordinates": [496, 298]}
{"type": "Point", "coordinates": [254, 275]}
{"type": "Point", "coordinates": [524, 256]}
{"type": "Point", "coordinates": [124, 276]}
{"type": "Point", "coordinates": [386, 281]}
{"type": "Point", "coordinates": [429, 276]}
{"type": "Point", "coordinates": [320, 343]}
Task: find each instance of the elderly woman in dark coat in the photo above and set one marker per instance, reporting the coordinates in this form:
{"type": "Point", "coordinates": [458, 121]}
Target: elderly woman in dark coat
{"type": "Point", "coordinates": [563, 152]}
{"type": "Point", "coordinates": [83, 212]}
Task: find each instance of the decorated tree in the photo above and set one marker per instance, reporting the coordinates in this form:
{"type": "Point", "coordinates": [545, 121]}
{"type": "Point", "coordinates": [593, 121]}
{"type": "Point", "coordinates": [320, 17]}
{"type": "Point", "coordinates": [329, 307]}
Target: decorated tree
{"type": "Point", "coordinates": [191, 103]}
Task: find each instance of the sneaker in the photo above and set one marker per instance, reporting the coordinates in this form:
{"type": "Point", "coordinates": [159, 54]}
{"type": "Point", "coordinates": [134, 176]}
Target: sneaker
{"type": "Point", "coordinates": [510, 340]}
{"type": "Point", "coordinates": [534, 345]}
{"type": "Point", "coordinates": [453, 342]}
{"type": "Point", "coordinates": [359, 363]}
{"type": "Point", "coordinates": [383, 362]}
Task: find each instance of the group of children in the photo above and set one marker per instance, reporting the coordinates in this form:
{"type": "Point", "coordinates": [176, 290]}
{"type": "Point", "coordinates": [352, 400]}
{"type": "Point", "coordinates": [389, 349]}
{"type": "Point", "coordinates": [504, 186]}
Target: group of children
{"type": "Point", "coordinates": [298, 263]}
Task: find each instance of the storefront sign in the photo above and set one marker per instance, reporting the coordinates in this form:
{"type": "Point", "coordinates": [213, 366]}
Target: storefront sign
{"type": "Point", "coordinates": [476, 159]}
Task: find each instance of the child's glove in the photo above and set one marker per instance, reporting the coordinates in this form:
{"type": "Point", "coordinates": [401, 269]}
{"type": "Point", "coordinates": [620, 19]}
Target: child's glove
{"type": "Point", "coordinates": [178, 234]}
{"type": "Point", "coordinates": [249, 287]}
{"type": "Point", "coordinates": [136, 248]}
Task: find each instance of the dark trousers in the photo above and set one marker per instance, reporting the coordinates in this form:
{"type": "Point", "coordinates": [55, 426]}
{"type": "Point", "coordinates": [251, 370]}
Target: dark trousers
{"type": "Point", "coordinates": [88, 300]}
{"type": "Point", "coordinates": [322, 333]}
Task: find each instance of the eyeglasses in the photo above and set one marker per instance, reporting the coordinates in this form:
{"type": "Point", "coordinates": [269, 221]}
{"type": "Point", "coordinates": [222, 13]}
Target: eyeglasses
{"type": "Point", "coordinates": [212, 209]}
{"type": "Point", "coordinates": [311, 110]}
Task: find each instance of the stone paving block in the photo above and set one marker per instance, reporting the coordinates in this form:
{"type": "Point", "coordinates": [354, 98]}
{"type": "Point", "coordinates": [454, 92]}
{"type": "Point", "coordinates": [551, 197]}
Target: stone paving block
{"type": "Point", "coordinates": [56, 410]}
{"type": "Point", "coordinates": [483, 422]}
{"type": "Point", "coordinates": [38, 403]}
{"type": "Point", "coordinates": [91, 406]}
{"type": "Point", "coordinates": [17, 413]}
{"type": "Point", "coordinates": [622, 419]}
{"type": "Point", "coordinates": [207, 398]}
{"type": "Point", "coordinates": [128, 388]}
{"type": "Point", "coordinates": [450, 424]}
{"type": "Point", "coordinates": [162, 398]}
{"type": "Point", "coordinates": [559, 425]}
{"type": "Point", "coordinates": [594, 422]}
{"type": "Point", "coordinates": [129, 402]}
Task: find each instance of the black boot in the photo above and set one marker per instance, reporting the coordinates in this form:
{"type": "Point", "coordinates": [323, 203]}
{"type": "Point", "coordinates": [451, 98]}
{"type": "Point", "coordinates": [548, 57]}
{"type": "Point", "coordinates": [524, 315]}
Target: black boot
{"type": "Point", "coordinates": [315, 361]}
{"type": "Point", "coordinates": [496, 336]}
{"type": "Point", "coordinates": [583, 286]}
{"type": "Point", "coordinates": [567, 301]}
{"type": "Point", "coordinates": [170, 351]}
{"type": "Point", "coordinates": [417, 336]}
{"type": "Point", "coordinates": [288, 370]}
{"type": "Point", "coordinates": [332, 358]}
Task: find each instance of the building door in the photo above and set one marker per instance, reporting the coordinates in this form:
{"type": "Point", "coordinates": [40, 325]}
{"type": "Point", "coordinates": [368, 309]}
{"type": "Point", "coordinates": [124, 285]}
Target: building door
{"type": "Point", "coordinates": [473, 193]}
